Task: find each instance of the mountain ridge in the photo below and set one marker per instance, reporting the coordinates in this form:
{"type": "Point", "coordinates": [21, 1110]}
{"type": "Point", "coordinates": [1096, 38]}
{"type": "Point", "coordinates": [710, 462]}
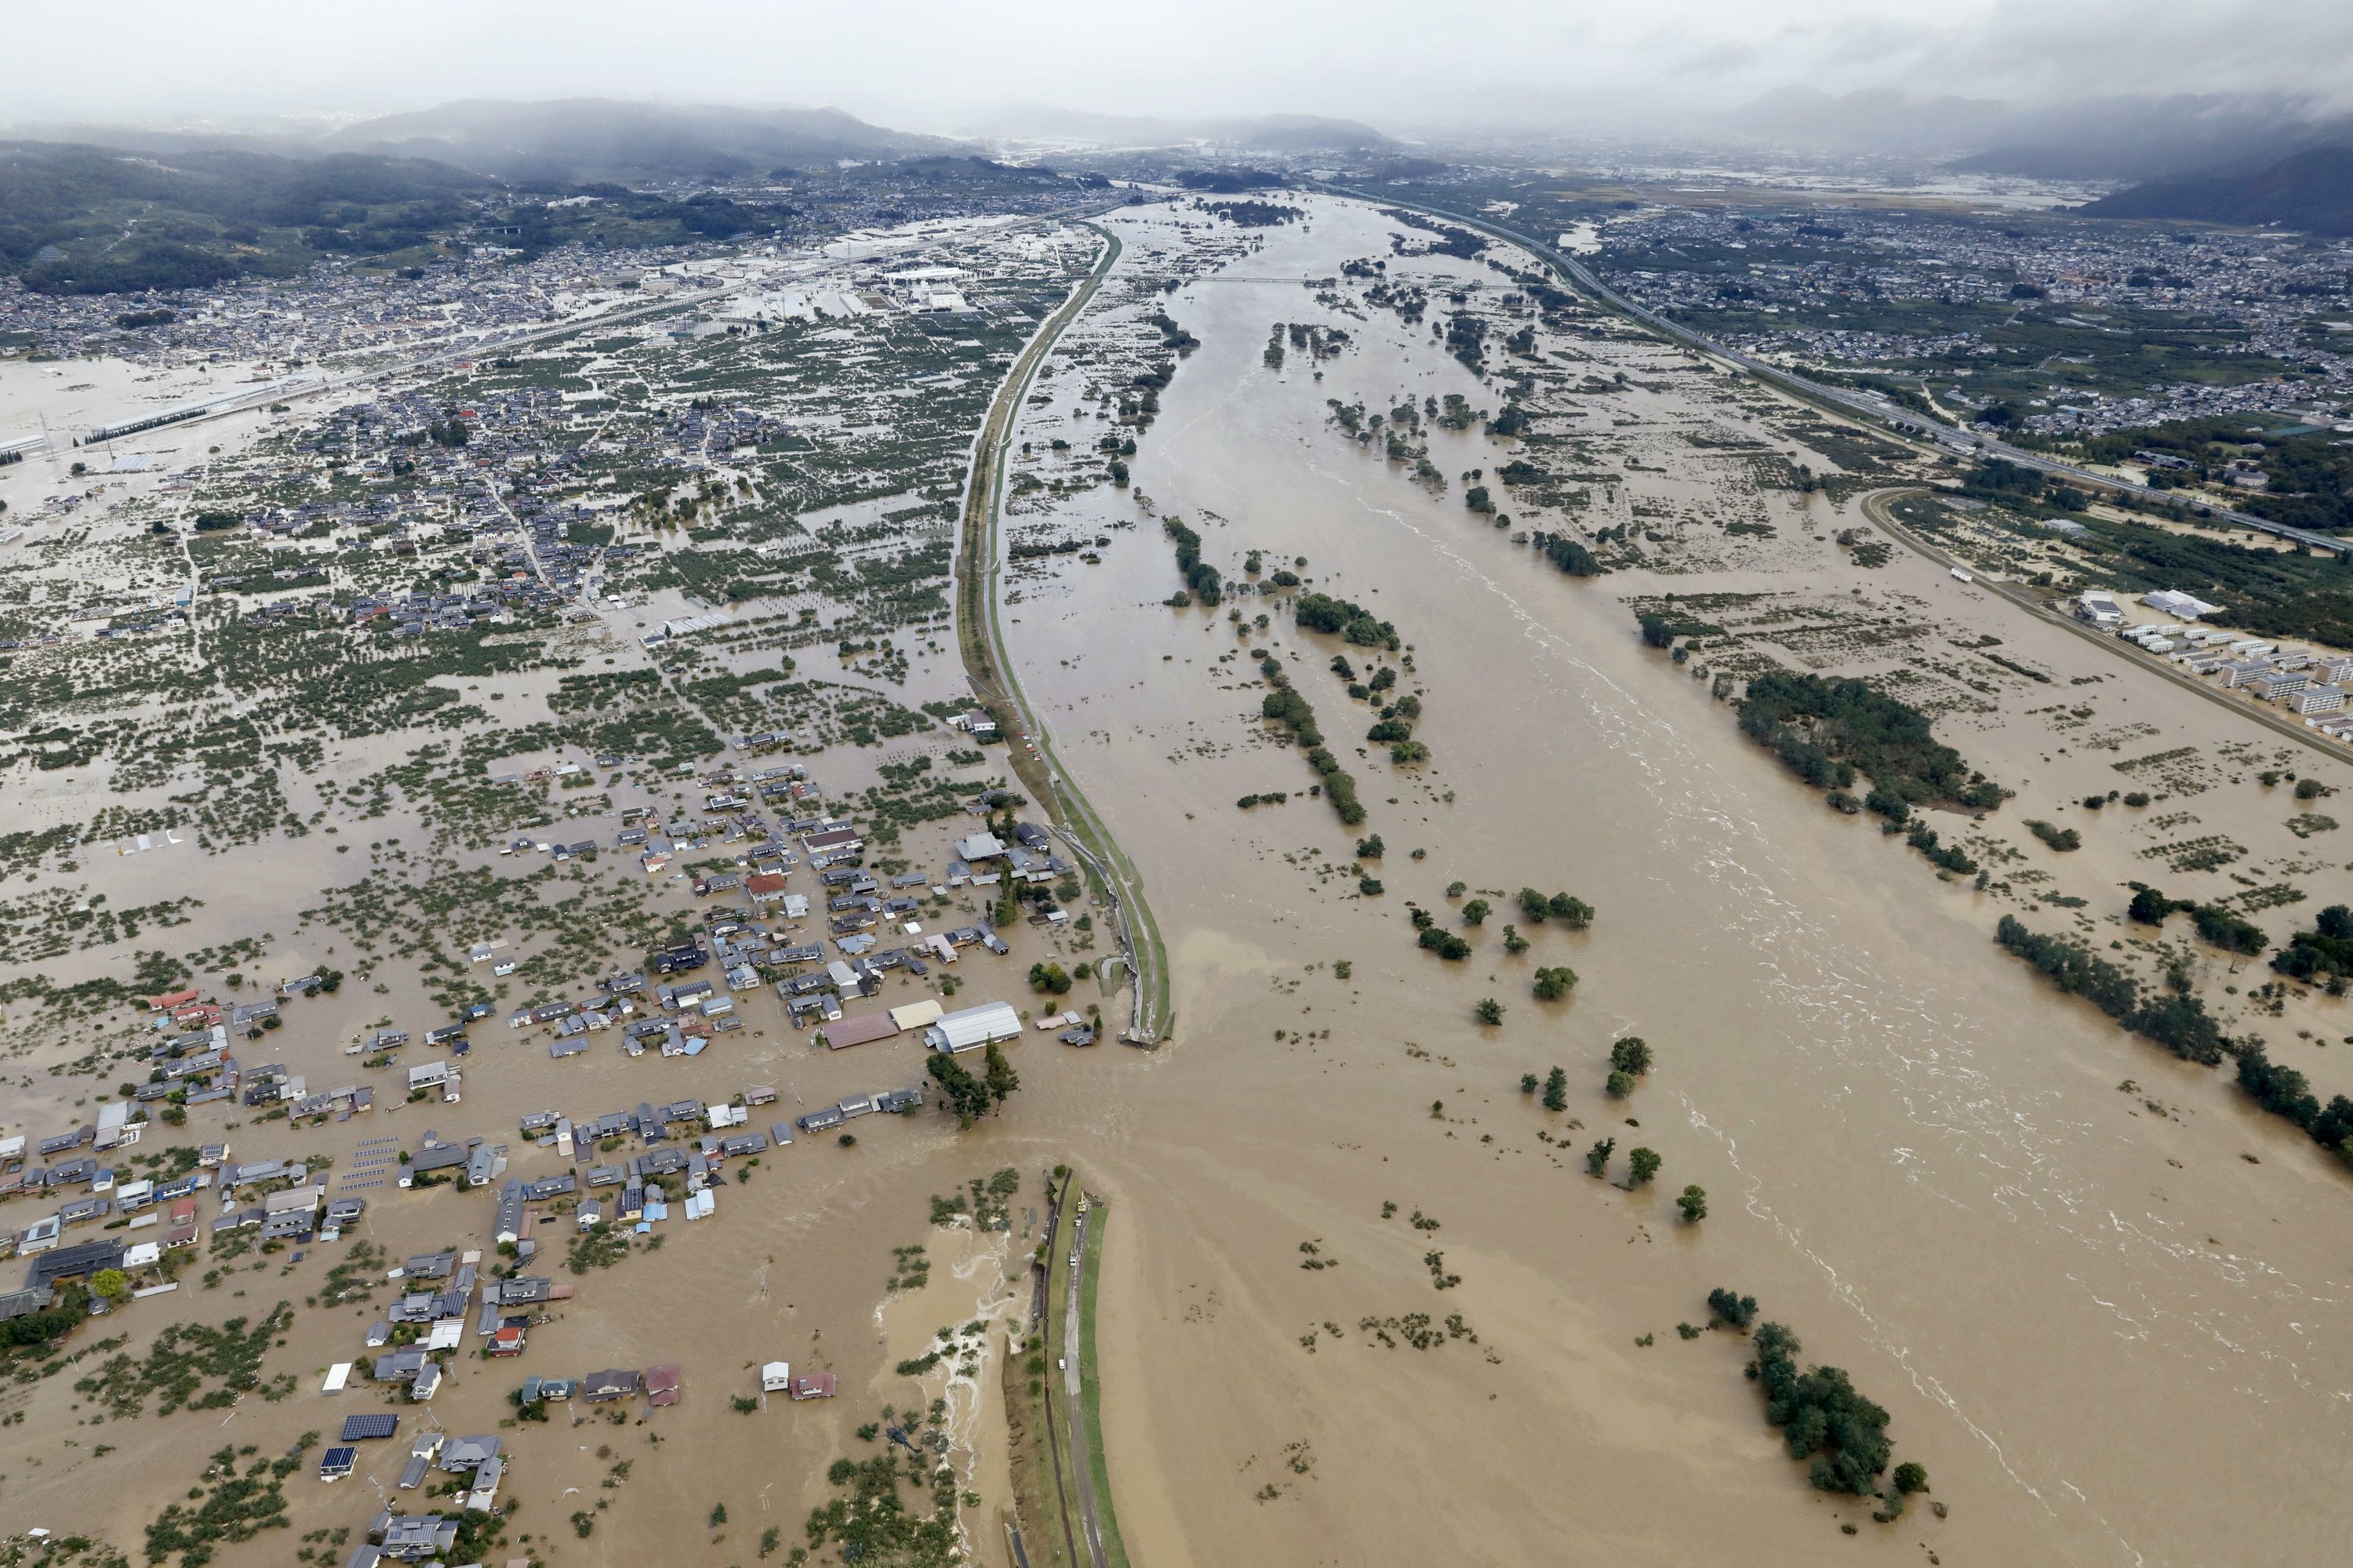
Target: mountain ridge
{"type": "Point", "coordinates": [2311, 190]}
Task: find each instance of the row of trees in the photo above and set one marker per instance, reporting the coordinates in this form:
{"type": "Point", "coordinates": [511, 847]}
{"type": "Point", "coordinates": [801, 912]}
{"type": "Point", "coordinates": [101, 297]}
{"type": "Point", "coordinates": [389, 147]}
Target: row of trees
{"type": "Point", "coordinates": [1568, 555]}
{"type": "Point", "coordinates": [2225, 929]}
{"type": "Point", "coordinates": [1199, 576]}
{"type": "Point", "coordinates": [2180, 1022]}
{"type": "Point", "coordinates": [970, 1097]}
{"type": "Point", "coordinates": [1285, 706]}
{"type": "Point", "coordinates": [1822, 1414]}
{"type": "Point", "coordinates": [2177, 1021]}
{"type": "Point", "coordinates": [1536, 907]}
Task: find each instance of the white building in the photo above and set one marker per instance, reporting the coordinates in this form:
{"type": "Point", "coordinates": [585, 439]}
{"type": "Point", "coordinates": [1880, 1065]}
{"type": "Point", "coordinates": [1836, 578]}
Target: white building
{"type": "Point", "coordinates": [2322, 699]}
{"type": "Point", "coordinates": [2166, 601]}
{"type": "Point", "coordinates": [974, 1027]}
{"type": "Point", "coordinates": [2099, 608]}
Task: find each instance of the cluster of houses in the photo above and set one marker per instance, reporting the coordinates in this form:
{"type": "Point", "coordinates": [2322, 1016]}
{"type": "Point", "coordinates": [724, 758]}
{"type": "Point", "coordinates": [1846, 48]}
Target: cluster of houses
{"type": "Point", "coordinates": [157, 1214]}
{"type": "Point", "coordinates": [431, 1318]}
{"type": "Point", "coordinates": [481, 1461]}
{"type": "Point", "coordinates": [749, 943]}
{"type": "Point", "coordinates": [2311, 684]}
{"type": "Point", "coordinates": [450, 1305]}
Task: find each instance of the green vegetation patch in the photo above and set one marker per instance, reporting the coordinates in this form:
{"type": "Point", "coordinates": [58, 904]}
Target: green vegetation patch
{"type": "Point", "coordinates": [2177, 1021]}
{"type": "Point", "coordinates": [183, 1357]}
{"type": "Point", "coordinates": [1825, 730]}
{"type": "Point", "coordinates": [231, 1505]}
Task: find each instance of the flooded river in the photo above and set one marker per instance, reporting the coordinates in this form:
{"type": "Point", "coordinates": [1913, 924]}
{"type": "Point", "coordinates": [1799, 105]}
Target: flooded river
{"type": "Point", "coordinates": [2109, 1336]}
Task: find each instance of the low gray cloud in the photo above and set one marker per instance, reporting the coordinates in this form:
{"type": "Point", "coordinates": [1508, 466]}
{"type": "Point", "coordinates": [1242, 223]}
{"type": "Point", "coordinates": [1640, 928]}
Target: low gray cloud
{"type": "Point", "coordinates": [1399, 63]}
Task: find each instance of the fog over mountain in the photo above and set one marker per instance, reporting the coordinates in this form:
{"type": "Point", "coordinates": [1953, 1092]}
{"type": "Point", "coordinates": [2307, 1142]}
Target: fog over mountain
{"type": "Point", "coordinates": [1306, 133]}
{"type": "Point", "coordinates": [2128, 137]}
{"type": "Point", "coordinates": [604, 139]}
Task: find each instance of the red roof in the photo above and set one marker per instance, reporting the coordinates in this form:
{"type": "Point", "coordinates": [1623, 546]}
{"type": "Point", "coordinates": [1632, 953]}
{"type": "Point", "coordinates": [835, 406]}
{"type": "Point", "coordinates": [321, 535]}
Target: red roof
{"type": "Point", "coordinates": [172, 998]}
{"type": "Point", "coordinates": [764, 882]}
{"type": "Point", "coordinates": [816, 1385]}
{"type": "Point", "coordinates": [662, 1384]}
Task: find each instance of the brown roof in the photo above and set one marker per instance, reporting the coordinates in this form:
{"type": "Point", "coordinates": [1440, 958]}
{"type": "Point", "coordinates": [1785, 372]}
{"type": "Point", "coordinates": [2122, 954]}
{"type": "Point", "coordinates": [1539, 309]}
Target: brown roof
{"type": "Point", "coordinates": [860, 1030]}
{"type": "Point", "coordinates": [662, 1384]}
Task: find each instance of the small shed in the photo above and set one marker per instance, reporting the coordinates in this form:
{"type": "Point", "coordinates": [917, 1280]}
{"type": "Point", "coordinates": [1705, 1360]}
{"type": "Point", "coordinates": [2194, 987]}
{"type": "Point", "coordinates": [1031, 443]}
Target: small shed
{"type": "Point", "coordinates": [776, 1377]}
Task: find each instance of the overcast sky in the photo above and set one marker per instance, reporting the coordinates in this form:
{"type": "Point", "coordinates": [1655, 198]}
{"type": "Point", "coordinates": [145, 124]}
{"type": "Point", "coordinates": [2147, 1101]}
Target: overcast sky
{"type": "Point", "coordinates": [919, 64]}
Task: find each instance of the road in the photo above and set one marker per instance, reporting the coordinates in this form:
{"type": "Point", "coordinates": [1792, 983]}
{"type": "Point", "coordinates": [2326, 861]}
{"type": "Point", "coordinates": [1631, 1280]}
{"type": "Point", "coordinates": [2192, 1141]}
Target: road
{"type": "Point", "coordinates": [1081, 1454]}
{"type": "Point", "coordinates": [980, 637]}
{"type": "Point", "coordinates": [1875, 507]}
{"type": "Point", "coordinates": [1869, 406]}
{"type": "Point", "coordinates": [1053, 1435]}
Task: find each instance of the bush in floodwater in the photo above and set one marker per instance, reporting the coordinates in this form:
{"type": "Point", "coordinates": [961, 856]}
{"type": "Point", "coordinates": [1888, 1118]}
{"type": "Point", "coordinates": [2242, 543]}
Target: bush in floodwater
{"type": "Point", "coordinates": [1737, 1310]}
{"type": "Point", "coordinates": [2058, 838]}
{"type": "Point", "coordinates": [1552, 984]}
{"type": "Point", "coordinates": [1445, 943]}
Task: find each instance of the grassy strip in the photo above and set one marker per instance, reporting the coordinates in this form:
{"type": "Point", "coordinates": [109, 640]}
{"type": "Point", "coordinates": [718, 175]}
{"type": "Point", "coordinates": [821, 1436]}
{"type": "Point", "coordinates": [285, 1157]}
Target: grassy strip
{"type": "Point", "coordinates": [1091, 1391]}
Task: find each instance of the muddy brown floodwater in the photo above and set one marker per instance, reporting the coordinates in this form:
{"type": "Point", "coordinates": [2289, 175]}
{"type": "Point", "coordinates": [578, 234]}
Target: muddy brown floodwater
{"type": "Point", "coordinates": [2109, 1340]}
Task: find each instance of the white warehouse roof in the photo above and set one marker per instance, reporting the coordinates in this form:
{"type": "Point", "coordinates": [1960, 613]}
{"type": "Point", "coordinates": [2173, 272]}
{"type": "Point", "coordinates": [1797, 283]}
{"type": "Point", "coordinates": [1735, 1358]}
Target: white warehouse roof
{"type": "Point", "coordinates": [2174, 603]}
{"type": "Point", "coordinates": [973, 1026]}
